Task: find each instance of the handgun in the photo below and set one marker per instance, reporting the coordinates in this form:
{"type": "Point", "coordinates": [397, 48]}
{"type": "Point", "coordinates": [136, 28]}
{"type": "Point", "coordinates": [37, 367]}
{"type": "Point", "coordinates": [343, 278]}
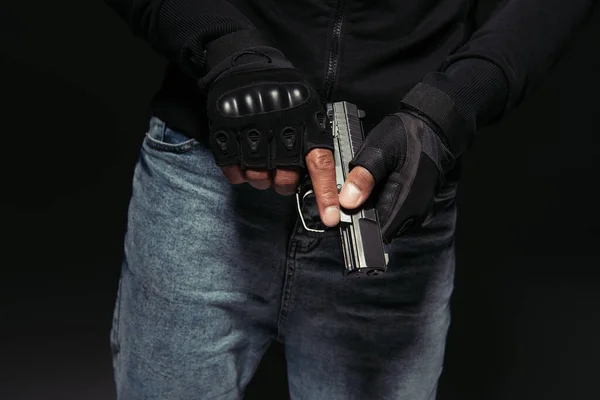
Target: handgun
{"type": "Point", "coordinates": [363, 248]}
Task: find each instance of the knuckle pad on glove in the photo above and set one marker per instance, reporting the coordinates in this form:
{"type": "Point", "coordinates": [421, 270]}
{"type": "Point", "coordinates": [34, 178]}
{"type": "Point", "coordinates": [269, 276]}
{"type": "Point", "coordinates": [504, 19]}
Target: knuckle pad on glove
{"type": "Point", "coordinates": [225, 147]}
{"type": "Point", "coordinates": [262, 98]}
{"type": "Point", "coordinates": [254, 145]}
{"type": "Point", "coordinates": [273, 121]}
{"type": "Point", "coordinates": [317, 134]}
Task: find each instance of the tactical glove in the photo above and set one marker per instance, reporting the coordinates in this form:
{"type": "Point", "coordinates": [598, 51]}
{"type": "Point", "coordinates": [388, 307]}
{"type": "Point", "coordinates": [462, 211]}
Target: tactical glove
{"type": "Point", "coordinates": [407, 160]}
{"type": "Point", "coordinates": [263, 113]}
{"type": "Point", "coordinates": [410, 153]}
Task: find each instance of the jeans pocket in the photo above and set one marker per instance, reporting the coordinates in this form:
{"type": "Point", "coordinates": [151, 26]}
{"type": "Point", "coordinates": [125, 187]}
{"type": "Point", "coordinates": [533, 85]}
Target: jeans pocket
{"type": "Point", "coordinates": [163, 139]}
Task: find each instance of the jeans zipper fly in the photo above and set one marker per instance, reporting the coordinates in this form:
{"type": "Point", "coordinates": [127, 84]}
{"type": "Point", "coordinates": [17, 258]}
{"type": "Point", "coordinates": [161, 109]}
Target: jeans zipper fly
{"type": "Point", "coordinates": [332, 65]}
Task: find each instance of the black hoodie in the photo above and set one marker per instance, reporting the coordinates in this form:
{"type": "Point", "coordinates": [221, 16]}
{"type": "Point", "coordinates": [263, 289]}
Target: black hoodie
{"type": "Point", "coordinates": [368, 52]}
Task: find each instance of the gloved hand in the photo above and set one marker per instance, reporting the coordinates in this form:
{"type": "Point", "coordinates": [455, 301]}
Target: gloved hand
{"type": "Point", "coordinates": [405, 160]}
{"type": "Point", "coordinates": [267, 122]}
{"type": "Point", "coordinates": [409, 153]}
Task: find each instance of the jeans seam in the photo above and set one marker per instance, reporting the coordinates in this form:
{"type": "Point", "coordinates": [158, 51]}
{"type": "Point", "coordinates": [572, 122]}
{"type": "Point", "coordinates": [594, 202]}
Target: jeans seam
{"type": "Point", "coordinates": [287, 289]}
{"type": "Point", "coordinates": [116, 323]}
{"type": "Point", "coordinates": [176, 149]}
{"type": "Point", "coordinates": [158, 143]}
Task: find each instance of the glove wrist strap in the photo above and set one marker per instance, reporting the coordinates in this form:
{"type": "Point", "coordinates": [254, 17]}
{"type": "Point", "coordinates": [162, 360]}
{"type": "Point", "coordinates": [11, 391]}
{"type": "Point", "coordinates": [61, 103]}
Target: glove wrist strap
{"type": "Point", "coordinates": [438, 108]}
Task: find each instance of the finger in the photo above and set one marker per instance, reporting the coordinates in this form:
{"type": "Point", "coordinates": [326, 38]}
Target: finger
{"type": "Point", "coordinates": [285, 181]}
{"type": "Point", "coordinates": [260, 180]}
{"type": "Point", "coordinates": [357, 188]}
{"type": "Point", "coordinates": [234, 174]}
{"type": "Point", "coordinates": [321, 167]}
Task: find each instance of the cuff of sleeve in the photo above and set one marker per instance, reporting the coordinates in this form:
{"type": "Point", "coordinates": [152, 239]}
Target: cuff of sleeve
{"type": "Point", "coordinates": [220, 49]}
{"type": "Point", "coordinates": [469, 94]}
{"type": "Point", "coordinates": [238, 52]}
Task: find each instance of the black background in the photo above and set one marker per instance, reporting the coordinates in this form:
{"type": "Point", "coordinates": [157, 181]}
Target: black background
{"type": "Point", "coordinates": [74, 90]}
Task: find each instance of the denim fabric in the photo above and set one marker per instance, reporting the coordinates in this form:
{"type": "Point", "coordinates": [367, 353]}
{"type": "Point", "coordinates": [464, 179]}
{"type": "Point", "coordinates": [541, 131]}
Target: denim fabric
{"type": "Point", "coordinates": [213, 272]}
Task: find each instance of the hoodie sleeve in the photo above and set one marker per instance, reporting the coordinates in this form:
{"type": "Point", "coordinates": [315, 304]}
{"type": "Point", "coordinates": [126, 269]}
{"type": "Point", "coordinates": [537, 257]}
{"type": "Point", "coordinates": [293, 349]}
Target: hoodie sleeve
{"type": "Point", "coordinates": [500, 64]}
{"type": "Point", "coordinates": [181, 30]}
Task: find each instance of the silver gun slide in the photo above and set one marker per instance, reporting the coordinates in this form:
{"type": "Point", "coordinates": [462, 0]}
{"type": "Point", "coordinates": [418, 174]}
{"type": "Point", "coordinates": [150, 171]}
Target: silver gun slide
{"type": "Point", "coordinates": [360, 232]}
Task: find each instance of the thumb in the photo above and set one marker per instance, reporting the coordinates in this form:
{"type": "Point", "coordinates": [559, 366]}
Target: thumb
{"type": "Point", "coordinates": [357, 188]}
{"type": "Point", "coordinates": [376, 159]}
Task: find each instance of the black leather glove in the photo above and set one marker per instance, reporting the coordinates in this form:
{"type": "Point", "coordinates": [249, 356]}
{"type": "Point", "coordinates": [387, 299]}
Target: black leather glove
{"type": "Point", "coordinates": [411, 152]}
{"type": "Point", "coordinates": [408, 160]}
{"type": "Point", "coordinates": [263, 113]}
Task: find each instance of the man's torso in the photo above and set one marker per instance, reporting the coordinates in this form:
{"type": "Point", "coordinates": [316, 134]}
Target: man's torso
{"type": "Point", "coordinates": [368, 52]}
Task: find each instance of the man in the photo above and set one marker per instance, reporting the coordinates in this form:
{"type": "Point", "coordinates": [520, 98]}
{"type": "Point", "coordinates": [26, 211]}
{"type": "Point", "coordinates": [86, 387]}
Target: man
{"type": "Point", "coordinates": [216, 266]}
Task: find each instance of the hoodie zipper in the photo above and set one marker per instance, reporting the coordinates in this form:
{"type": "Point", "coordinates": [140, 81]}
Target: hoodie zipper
{"type": "Point", "coordinates": [332, 64]}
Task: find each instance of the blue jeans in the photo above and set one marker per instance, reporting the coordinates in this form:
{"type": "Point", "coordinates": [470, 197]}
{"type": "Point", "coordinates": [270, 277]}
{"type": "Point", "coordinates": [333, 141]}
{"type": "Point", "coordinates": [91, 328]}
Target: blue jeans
{"type": "Point", "coordinates": [213, 272]}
